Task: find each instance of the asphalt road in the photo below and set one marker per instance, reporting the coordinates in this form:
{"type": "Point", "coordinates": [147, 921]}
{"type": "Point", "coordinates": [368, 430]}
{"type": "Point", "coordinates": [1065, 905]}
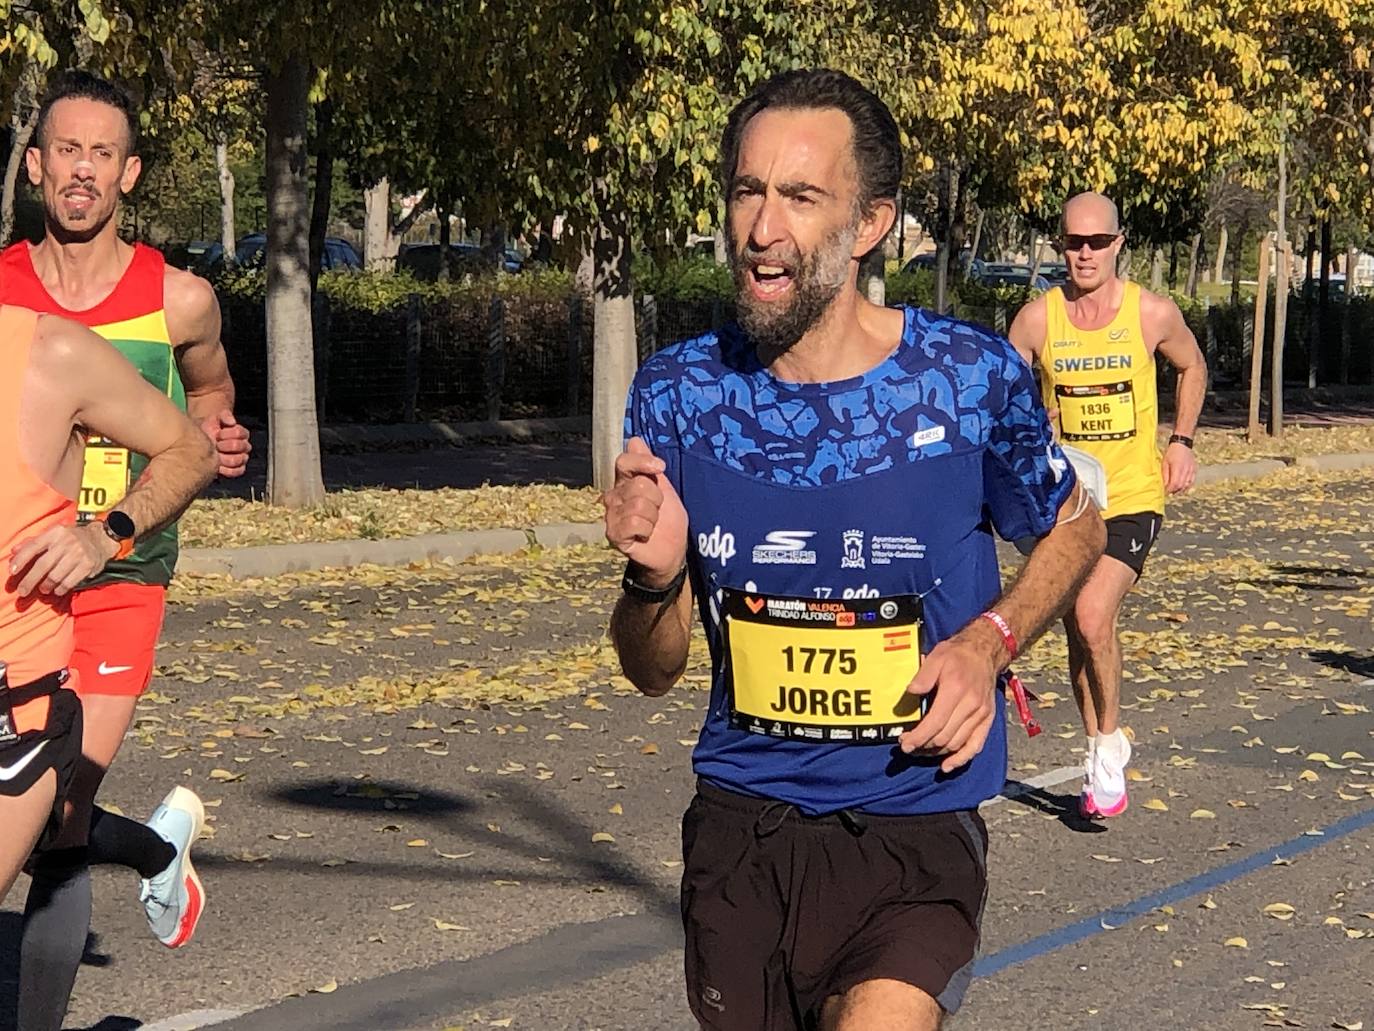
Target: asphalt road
{"type": "Point", "coordinates": [435, 806]}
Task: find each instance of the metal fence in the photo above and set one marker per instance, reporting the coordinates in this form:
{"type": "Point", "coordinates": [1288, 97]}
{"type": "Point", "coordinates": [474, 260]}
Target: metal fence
{"type": "Point", "coordinates": [526, 358]}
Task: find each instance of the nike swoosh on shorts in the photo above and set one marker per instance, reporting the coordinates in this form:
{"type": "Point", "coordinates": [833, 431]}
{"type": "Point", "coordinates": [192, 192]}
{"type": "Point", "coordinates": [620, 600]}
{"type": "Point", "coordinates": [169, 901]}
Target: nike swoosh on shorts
{"type": "Point", "coordinates": [17, 767]}
{"type": "Point", "coordinates": [105, 670]}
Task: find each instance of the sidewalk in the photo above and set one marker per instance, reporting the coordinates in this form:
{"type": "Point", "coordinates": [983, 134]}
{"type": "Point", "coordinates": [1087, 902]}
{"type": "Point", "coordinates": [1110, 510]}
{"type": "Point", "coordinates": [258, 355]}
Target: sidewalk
{"type": "Point", "coordinates": [275, 559]}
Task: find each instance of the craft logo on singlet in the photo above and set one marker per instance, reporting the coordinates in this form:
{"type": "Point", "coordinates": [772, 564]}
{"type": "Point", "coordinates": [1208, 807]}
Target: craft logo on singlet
{"type": "Point", "coordinates": [785, 548]}
{"type": "Point", "coordinates": [716, 544]}
{"type": "Point", "coordinates": [853, 550]}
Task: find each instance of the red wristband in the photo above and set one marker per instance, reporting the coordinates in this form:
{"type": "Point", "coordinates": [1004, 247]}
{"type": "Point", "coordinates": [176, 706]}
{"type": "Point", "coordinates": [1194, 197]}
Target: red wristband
{"type": "Point", "coordinates": [1008, 638]}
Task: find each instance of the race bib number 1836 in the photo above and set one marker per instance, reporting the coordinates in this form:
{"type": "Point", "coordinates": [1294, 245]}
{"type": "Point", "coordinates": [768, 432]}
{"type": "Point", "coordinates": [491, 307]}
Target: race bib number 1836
{"type": "Point", "coordinates": [1103, 412]}
{"type": "Point", "coordinates": [820, 670]}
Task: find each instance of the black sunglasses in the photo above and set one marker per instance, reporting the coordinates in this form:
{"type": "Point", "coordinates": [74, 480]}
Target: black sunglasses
{"type": "Point", "coordinates": [1096, 241]}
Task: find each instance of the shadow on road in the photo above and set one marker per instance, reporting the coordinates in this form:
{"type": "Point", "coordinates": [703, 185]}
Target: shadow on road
{"type": "Point", "coordinates": [1314, 578]}
{"type": "Point", "coordinates": [557, 834]}
{"type": "Point", "coordinates": [1356, 665]}
{"type": "Point", "coordinates": [1063, 808]}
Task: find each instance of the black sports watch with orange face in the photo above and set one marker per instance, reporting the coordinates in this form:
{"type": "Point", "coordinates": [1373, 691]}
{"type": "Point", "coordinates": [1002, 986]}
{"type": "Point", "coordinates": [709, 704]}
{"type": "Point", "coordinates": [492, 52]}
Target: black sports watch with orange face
{"type": "Point", "coordinates": [120, 529]}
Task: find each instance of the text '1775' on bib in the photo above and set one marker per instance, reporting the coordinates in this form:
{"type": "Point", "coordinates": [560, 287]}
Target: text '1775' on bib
{"type": "Point", "coordinates": [819, 670]}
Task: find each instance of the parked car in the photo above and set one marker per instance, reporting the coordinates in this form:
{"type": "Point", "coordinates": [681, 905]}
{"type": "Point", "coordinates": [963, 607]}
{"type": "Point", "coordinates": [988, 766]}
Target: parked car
{"type": "Point", "coordinates": [1312, 288]}
{"type": "Point", "coordinates": [199, 256]}
{"type": "Point", "coordinates": [1056, 274]}
{"type": "Point", "coordinates": [1012, 275]}
{"type": "Point", "coordinates": [338, 252]}
{"type": "Point", "coordinates": [972, 266]}
{"type": "Point", "coordinates": [422, 260]}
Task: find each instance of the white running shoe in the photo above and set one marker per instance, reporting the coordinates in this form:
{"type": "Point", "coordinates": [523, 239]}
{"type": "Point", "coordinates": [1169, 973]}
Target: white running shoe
{"type": "Point", "coordinates": [174, 899]}
{"type": "Point", "coordinates": [1109, 761]}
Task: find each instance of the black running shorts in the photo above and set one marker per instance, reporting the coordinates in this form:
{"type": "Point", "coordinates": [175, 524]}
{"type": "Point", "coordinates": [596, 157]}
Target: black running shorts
{"type": "Point", "coordinates": [1130, 538]}
{"type": "Point", "coordinates": [56, 746]}
{"type": "Point", "coordinates": [783, 911]}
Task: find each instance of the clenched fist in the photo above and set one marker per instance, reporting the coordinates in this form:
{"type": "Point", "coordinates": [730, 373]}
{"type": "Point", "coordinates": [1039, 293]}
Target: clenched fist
{"type": "Point", "coordinates": [645, 519]}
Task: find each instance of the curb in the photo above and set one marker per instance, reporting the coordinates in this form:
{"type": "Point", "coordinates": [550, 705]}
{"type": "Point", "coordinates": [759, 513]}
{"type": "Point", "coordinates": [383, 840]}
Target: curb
{"type": "Point", "coordinates": [275, 559]}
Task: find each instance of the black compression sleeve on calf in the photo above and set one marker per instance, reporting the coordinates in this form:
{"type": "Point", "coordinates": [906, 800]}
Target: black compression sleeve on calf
{"type": "Point", "coordinates": [121, 841]}
{"type": "Point", "coordinates": [57, 918]}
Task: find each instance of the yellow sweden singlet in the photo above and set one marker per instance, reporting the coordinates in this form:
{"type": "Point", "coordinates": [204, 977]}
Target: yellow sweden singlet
{"type": "Point", "coordinates": [1102, 381]}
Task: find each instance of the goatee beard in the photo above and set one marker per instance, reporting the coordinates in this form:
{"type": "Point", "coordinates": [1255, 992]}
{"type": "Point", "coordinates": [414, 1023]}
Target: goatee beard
{"type": "Point", "coordinates": [817, 278]}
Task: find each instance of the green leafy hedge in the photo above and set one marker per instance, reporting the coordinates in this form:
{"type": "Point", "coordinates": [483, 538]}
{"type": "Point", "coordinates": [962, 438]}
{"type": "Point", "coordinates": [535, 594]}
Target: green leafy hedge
{"type": "Point", "coordinates": [378, 292]}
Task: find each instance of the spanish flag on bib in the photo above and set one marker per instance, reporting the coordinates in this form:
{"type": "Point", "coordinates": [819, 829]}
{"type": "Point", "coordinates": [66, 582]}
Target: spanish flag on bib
{"type": "Point", "coordinates": [1102, 382]}
{"type": "Point", "coordinates": [132, 318]}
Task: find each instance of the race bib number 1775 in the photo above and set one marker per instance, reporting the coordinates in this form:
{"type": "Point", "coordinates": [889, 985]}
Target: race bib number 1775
{"type": "Point", "coordinates": [820, 670]}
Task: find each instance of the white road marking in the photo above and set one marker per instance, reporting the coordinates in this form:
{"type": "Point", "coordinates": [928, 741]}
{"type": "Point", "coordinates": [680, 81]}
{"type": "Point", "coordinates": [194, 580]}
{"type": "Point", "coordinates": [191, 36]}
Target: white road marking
{"type": "Point", "coordinates": [1016, 788]}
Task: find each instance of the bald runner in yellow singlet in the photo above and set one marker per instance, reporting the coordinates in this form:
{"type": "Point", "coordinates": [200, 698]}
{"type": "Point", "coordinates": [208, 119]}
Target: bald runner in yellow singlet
{"type": "Point", "coordinates": [1095, 343]}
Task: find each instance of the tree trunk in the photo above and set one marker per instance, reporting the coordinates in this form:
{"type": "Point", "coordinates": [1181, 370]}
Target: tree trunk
{"type": "Point", "coordinates": [944, 219]}
{"type": "Point", "coordinates": [871, 279]}
{"type": "Point", "coordinates": [1173, 266]}
{"type": "Point", "coordinates": [1285, 258]}
{"type": "Point", "coordinates": [1157, 270]}
{"type": "Point", "coordinates": [324, 186]}
{"type": "Point", "coordinates": [445, 241]}
{"type": "Point", "coordinates": [227, 228]}
{"type": "Point", "coordinates": [1317, 335]}
{"type": "Point", "coordinates": [1351, 256]}
{"type": "Point", "coordinates": [1194, 261]}
{"type": "Point", "coordinates": [494, 247]}
{"type": "Point", "coordinates": [958, 222]}
{"type": "Point", "coordinates": [1235, 261]}
{"type": "Point", "coordinates": [293, 461]}
{"type": "Point", "coordinates": [720, 247]}
{"type": "Point", "coordinates": [615, 354]}
{"type": "Point", "coordinates": [901, 228]}
{"type": "Point", "coordinates": [1223, 241]}
{"type": "Point", "coordinates": [977, 236]}
{"type": "Point", "coordinates": [376, 224]}
{"type": "Point", "coordinates": [21, 130]}
{"type": "Point", "coordinates": [1254, 428]}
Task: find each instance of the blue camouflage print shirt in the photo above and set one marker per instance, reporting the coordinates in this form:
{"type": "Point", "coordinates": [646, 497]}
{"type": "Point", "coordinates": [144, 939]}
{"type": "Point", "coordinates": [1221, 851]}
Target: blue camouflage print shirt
{"type": "Point", "coordinates": [839, 497]}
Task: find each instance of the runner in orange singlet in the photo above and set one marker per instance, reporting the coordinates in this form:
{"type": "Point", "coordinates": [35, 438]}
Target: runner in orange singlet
{"type": "Point", "coordinates": [57, 382]}
{"type": "Point", "coordinates": [167, 323]}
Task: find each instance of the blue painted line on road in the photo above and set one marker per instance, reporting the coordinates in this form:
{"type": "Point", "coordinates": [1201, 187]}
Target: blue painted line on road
{"type": "Point", "coordinates": [1111, 919]}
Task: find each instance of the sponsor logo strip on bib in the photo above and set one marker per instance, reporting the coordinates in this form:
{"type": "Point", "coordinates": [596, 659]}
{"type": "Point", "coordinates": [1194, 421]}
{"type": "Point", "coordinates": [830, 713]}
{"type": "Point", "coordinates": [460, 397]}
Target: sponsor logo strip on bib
{"type": "Point", "coordinates": [819, 670]}
{"type": "Point", "coordinates": [1102, 412]}
{"type": "Point", "coordinates": [104, 477]}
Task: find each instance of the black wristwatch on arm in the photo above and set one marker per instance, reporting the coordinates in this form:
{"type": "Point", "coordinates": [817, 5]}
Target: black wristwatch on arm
{"type": "Point", "coordinates": [1179, 438]}
{"type": "Point", "coordinates": [653, 595]}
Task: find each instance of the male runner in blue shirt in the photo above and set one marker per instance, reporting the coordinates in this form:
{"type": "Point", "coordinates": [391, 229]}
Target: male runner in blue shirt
{"type": "Point", "coordinates": [823, 479]}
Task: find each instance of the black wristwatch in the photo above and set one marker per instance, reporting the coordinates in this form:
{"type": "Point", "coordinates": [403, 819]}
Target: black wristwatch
{"type": "Point", "coordinates": [1179, 438]}
{"type": "Point", "coordinates": [120, 529]}
{"type": "Point", "coordinates": [653, 595]}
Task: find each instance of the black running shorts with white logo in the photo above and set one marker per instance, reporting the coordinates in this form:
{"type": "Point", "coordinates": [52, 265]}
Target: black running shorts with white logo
{"type": "Point", "coordinates": [783, 911]}
{"type": "Point", "coordinates": [56, 746]}
{"type": "Point", "coordinates": [1130, 538]}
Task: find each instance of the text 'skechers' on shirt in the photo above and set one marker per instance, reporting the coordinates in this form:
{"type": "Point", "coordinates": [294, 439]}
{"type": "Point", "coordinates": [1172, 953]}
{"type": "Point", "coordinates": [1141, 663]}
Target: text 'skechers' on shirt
{"type": "Point", "coordinates": [837, 532]}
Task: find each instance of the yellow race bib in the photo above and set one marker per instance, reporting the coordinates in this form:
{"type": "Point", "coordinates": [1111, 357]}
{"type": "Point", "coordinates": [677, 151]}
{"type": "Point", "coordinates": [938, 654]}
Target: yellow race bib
{"type": "Point", "coordinates": [1100, 412]}
{"type": "Point", "coordinates": [104, 477]}
{"type": "Point", "coordinates": [814, 669]}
